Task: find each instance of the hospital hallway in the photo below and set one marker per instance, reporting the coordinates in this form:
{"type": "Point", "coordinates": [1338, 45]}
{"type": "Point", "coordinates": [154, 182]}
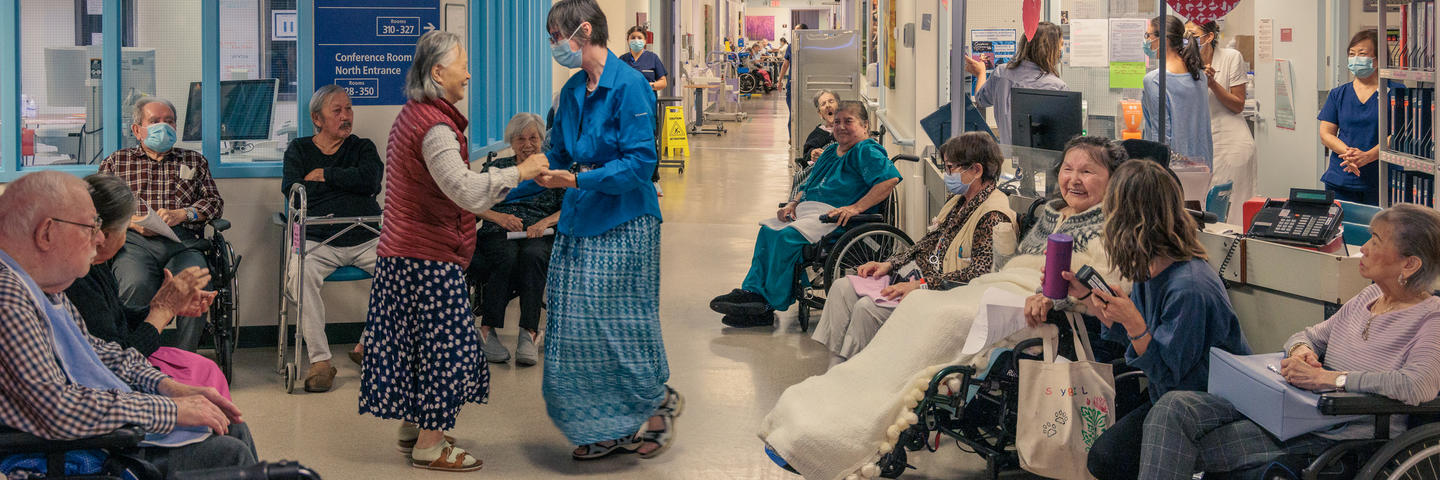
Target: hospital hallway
{"type": "Point", "coordinates": [730, 377]}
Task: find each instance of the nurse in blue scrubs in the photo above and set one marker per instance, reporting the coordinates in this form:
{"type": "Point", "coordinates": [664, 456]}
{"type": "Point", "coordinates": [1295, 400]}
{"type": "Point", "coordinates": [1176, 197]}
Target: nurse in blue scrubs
{"type": "Point", "coordinates": [1349, 127]}
{"type": "Point", "coordinates": [647, 62]}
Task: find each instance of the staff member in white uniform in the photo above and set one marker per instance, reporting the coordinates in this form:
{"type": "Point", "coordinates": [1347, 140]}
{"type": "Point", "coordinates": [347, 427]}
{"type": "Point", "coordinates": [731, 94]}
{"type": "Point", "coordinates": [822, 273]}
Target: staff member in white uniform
{"type": "Point", "coordinates": [1234, 146]}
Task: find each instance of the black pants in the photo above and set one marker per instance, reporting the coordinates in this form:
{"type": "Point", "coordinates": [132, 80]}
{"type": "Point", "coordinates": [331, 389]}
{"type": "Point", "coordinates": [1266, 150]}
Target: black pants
{"type": "Point", "coordinates": [137, 271]}
{"type": "Point", "coordinates": [1116, 454]}
{"type": "Point", "coordinates": [501, 266]}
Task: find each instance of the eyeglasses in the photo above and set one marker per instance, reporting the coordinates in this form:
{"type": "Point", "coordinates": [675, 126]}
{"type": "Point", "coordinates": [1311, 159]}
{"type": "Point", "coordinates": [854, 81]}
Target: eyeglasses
{"type": "Point", "coordinates": [94, 228]}
{"type": "Point", "coordinates": [1149, 35]}
{"type": "Point", "coordinates": [953, 168]}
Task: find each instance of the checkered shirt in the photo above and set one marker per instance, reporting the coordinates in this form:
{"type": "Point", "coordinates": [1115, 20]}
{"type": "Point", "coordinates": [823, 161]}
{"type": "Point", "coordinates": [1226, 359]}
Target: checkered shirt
{"type": "Point", "coordinates": [160, 185]}
{"type": "Point", "coordinates": [37, 397]}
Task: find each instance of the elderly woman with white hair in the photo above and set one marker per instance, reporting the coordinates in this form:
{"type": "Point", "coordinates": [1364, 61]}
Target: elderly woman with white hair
{"type": "Point", "coordinates": [502, 265]}
{"type": "Point", "coordinates": [423, 360]}
{"type": "Point", "coordinates": [341, 175]}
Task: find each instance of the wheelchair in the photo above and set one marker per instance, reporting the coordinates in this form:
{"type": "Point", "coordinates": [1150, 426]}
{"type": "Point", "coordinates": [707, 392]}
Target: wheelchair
{"type": "Point", "coordinates": [223, 326]}
{"type": "Point", "coordinates": [120, 449]}
{"type": "Point", "coordinates": [869, 237]}
{"type": "Point", "coordinates": [295, 219]}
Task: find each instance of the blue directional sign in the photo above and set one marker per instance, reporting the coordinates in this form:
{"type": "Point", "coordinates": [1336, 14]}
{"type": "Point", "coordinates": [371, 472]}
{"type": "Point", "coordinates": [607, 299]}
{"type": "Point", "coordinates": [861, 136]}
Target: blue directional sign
{"type": "Point", "coordinates": [366, 46]}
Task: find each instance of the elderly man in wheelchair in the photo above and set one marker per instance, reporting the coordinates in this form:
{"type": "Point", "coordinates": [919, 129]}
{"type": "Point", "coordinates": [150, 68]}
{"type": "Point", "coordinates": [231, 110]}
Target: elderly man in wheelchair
{"type": "Point", "coordinates": [1384, 342]}
{"type": "Point", "coordinates": [61, 383]}
{"type": "Point", "coordinates": [852, 176]}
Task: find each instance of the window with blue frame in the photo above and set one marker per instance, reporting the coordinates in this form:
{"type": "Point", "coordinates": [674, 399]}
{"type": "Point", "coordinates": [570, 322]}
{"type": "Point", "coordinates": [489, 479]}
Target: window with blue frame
{"type": "Point", "coordinates": [60, 94]}
{"type": "Point", "coordinates": [510, 66]}
{"type": "Point", "coordinates": [257, 116]}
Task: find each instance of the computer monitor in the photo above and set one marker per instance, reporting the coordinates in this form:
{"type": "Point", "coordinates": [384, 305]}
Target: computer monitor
{"type": "Point", "coordinates": [937, 124]}
{"type": "Point", "coordinates": [248, 108]}
{"type": "Point", "coordinates": [1044, 119]}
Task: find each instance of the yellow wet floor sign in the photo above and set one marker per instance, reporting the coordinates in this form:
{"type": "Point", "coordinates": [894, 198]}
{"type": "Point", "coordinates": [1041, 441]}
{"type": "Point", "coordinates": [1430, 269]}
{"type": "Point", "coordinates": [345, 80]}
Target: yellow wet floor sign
{"type": "Point", "coordinates": [674, 139]}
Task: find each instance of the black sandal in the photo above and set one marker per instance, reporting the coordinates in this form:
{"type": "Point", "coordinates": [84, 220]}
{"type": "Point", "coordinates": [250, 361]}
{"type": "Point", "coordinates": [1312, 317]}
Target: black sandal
{"type": "Point", "coordinates": [661, 437]}
{"type": "Point", "coordinates": [599, 450]}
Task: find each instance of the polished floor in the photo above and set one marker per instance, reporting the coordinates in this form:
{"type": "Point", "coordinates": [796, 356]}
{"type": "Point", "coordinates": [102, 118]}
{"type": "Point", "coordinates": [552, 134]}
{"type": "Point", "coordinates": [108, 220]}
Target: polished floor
{"type": "Point", "coordinates": [730, 377]}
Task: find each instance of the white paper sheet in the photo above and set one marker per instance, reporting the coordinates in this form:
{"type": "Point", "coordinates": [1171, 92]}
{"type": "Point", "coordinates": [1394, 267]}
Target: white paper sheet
{"type": "Point", "coordinates": [1001, 314]}
{"type": "Point", "coordinates": [1125, 37]}
{"type": "Point", "coordinates": [156, 225]}
{"type": "Point", "coordinates": [1089, 42]}
{"type": "Point", "coordinates": [1265, 40]}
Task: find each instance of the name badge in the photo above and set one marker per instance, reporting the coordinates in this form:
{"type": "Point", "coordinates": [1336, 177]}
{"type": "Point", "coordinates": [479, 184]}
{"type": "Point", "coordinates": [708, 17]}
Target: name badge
{"type": "Point", "coordinates": [187, 172]}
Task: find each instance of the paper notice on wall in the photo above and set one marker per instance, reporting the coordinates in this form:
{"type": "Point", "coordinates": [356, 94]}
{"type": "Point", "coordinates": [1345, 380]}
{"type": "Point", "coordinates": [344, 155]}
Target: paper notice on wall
{"type": "Point", "coordinates": [1089, 42]}
{"type": "Point", "coordinates": [1265, 40]}
{"type": "Point", "coordinates": [1284, 101]}
{"type": "Point", "coordinates": [1125, 37]}
{"type": "Point", "coordinates": [1087, 9]}
{"type": "Point", "coordinates": [1127, 74]}
{"type": "Point", "coordinates": [996, 46]}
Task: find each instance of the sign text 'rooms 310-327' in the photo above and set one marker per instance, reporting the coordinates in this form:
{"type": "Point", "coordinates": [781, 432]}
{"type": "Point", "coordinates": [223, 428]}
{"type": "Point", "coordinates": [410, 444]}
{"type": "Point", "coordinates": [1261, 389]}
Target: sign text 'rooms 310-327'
{"type": "Point", "coordinates": [367, 46]}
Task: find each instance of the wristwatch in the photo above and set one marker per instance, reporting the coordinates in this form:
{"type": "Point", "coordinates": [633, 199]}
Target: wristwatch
{"type": "Point", "coordinates": [1340, 381]}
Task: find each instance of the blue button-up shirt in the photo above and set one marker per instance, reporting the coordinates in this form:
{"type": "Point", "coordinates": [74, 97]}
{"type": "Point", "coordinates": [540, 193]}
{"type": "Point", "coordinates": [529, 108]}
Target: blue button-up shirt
{"type": "Point", "coordinates": [611, 130]}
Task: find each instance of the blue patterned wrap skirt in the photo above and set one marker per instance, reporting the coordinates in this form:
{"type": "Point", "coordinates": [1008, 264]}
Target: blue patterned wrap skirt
{"type": "Point", "coordinates": [422, 352]}
{"type": "Point", "coordinates": [605, 367]}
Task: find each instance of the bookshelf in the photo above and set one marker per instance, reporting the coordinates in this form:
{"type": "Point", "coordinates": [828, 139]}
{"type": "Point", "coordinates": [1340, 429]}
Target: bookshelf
{"type": "Point", "coordinates": [1408, 162]}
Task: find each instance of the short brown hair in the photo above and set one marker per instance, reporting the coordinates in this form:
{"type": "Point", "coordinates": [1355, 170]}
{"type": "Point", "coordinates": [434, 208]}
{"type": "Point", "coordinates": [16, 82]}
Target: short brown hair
{"type": "Point", "coordinates": [1145, 219]}
{"type": "Point", "coordinates": [974, 147]}
{"type": "Point", "coordinates": [1367, 35]}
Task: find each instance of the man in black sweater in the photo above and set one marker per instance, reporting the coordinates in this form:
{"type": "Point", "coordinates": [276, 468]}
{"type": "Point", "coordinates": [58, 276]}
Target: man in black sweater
{"type": "Point", "coordinates": [342, 175]}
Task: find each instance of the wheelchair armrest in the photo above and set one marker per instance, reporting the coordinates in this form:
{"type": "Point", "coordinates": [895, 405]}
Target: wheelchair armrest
{"type": "Point", "coordinates": [219, 224]}
{"type": "Point", "coordinates": [15, 441]}
{"type": "Point", "coordinates": [905, 157]}
{"type": "Point", "coordinates": [1352, 403]}
{"type": "Point", "coordinates": [858, 219]}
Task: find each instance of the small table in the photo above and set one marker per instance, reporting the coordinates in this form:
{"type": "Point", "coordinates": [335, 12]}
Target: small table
{"type": "Point", "coordinates": [698, 126]}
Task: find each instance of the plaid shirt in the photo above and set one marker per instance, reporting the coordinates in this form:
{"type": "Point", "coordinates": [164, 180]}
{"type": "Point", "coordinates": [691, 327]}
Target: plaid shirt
{"type": "Point", "coordinates": [162, 185]}
{"type": "Point", "coordinates": [37, 397]}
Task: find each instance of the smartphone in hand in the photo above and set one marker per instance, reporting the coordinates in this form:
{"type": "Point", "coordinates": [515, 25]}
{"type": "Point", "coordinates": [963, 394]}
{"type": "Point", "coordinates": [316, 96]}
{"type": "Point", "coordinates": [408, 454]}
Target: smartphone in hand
{"type": "Point", "coordinates": [1092, 279]}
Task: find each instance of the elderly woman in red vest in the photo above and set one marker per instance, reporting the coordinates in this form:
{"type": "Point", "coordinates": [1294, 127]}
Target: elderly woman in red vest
{"type": "Point", "coordinates": [423, 359]}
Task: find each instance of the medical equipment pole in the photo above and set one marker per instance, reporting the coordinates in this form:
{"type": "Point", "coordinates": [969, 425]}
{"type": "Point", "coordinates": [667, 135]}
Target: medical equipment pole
{"type": "Point", "coordinates": [957, 65]}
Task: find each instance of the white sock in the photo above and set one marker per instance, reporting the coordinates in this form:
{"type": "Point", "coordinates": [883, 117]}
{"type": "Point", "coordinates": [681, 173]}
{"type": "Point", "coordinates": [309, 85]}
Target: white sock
{"type": "Point", "coordinates": [429, 454]}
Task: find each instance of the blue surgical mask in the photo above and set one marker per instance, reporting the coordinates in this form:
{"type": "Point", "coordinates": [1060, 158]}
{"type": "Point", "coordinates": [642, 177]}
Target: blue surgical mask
{"type": "Point", "coordinates": [1149, 52]}
{"type": "Point", "coordinates": [159, 137]}
{"type": "Point", "coordinates": [637, 45]}
{"type": "Point", "coordinates": [563, 54]}
{"type": "Point", "coordinates": [1362, 66]}
{"type": "Point", "coordinates": [956, 184]}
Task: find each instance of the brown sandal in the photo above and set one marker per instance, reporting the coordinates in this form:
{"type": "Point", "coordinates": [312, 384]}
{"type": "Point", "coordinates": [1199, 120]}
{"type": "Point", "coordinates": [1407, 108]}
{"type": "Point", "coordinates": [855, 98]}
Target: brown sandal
{"type": "Point", "coordinates": [462, 461]}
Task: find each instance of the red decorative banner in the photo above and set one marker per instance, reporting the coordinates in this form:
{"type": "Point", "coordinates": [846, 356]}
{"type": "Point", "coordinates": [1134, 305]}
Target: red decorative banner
{"type": "Point", "coordinates": [1030, 16]}
{"type": "Point", "coordinates": [1201, 11]}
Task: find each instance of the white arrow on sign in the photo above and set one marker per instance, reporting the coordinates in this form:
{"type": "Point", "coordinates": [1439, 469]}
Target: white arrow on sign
{"type": "Point", "coordinates": [429, 26]}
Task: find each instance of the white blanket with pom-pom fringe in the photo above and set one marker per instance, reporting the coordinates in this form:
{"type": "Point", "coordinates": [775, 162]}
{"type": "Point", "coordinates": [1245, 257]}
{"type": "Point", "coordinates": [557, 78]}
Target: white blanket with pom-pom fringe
{"type": "Point", "coordinates": [835, 425]}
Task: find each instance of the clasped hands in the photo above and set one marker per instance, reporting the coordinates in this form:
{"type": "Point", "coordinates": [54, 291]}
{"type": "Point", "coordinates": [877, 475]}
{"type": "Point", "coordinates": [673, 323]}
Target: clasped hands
{"type": "Point", "coordinates": [1303, 369]}
{"type": "Point", "coordinates": [1353, 158]}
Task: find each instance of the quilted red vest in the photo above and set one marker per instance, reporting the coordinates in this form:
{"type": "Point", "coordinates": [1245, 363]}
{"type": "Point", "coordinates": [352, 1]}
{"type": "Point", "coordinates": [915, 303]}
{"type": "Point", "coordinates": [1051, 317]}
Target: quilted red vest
{"type": "Point", "coordinates": [420, 222]}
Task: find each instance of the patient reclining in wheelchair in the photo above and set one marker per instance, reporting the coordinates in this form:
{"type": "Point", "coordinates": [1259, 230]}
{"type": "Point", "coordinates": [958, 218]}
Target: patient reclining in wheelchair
{"type": "Point", "coordinates": [852, 176]}
{"type": "Point", "coordinates": [61, 383]}
{"type": "Point", "coordinates": [1384, 341]}
{"type": "Point", "coordinates": [960, 246]}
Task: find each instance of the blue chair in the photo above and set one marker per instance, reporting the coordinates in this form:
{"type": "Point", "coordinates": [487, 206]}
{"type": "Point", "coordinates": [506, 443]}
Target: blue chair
{"type": "Point", "coordinates": [294, 219]}
{"type": "Point", "coordinates": [1356, 221]}
{"type": "Point", "coordinates": [1217, 201]}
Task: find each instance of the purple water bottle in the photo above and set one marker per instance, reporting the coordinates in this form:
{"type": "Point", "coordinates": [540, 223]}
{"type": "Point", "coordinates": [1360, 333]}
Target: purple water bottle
{"type": "Point", "coordinates": [1057, 260]}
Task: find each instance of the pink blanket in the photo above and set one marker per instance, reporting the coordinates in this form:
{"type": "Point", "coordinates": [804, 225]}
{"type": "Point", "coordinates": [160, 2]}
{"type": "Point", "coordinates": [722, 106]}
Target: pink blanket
{"type": "Point", "coordinates": [190, 368]}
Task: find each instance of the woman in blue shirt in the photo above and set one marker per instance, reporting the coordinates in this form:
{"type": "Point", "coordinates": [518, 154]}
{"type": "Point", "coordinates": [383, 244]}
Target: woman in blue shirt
{"type": "Point", "coordinates": [1349, 127]}
{"type": "Point", "coordinates": [1177, 308]}
{"type": "Point", "coordinates": [1187, 92]}
{"type": "Point", "coordinates": [646, 62]}
{"type": "Point", "coordinates": [605, 366]}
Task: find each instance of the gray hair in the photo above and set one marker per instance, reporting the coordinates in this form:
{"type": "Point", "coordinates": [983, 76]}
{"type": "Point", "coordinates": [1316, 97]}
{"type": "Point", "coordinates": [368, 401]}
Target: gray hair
{"type": "Point", "coordinates": [322, 95]}
{"type": "Point", "coordinates": [521, 122]}
{"type": "Point", "coordinates": [1416, 234]}
{"type": "Point", "coordinates": [113, 200]}
{"type": "Point", "coordinates": [33, 197]}
{"type": "Point", "coordinates": [824, 92]}
{"type": "Point", "coordinates": [566, 16]}
{"type": "Point", "coordinates": [435, 47]}
{"type": "Point", "coordinates": [139, 117]}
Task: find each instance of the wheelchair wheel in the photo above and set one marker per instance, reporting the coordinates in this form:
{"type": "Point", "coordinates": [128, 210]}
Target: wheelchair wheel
{"type": "Point", "coordinates": [747, 83]}
{"type": "Point", "coordinates": [223, 322]}
{"type": "Point", "coordinates": [871, 242]}
{"type": "Point", "coordinates": [1414, 454]}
